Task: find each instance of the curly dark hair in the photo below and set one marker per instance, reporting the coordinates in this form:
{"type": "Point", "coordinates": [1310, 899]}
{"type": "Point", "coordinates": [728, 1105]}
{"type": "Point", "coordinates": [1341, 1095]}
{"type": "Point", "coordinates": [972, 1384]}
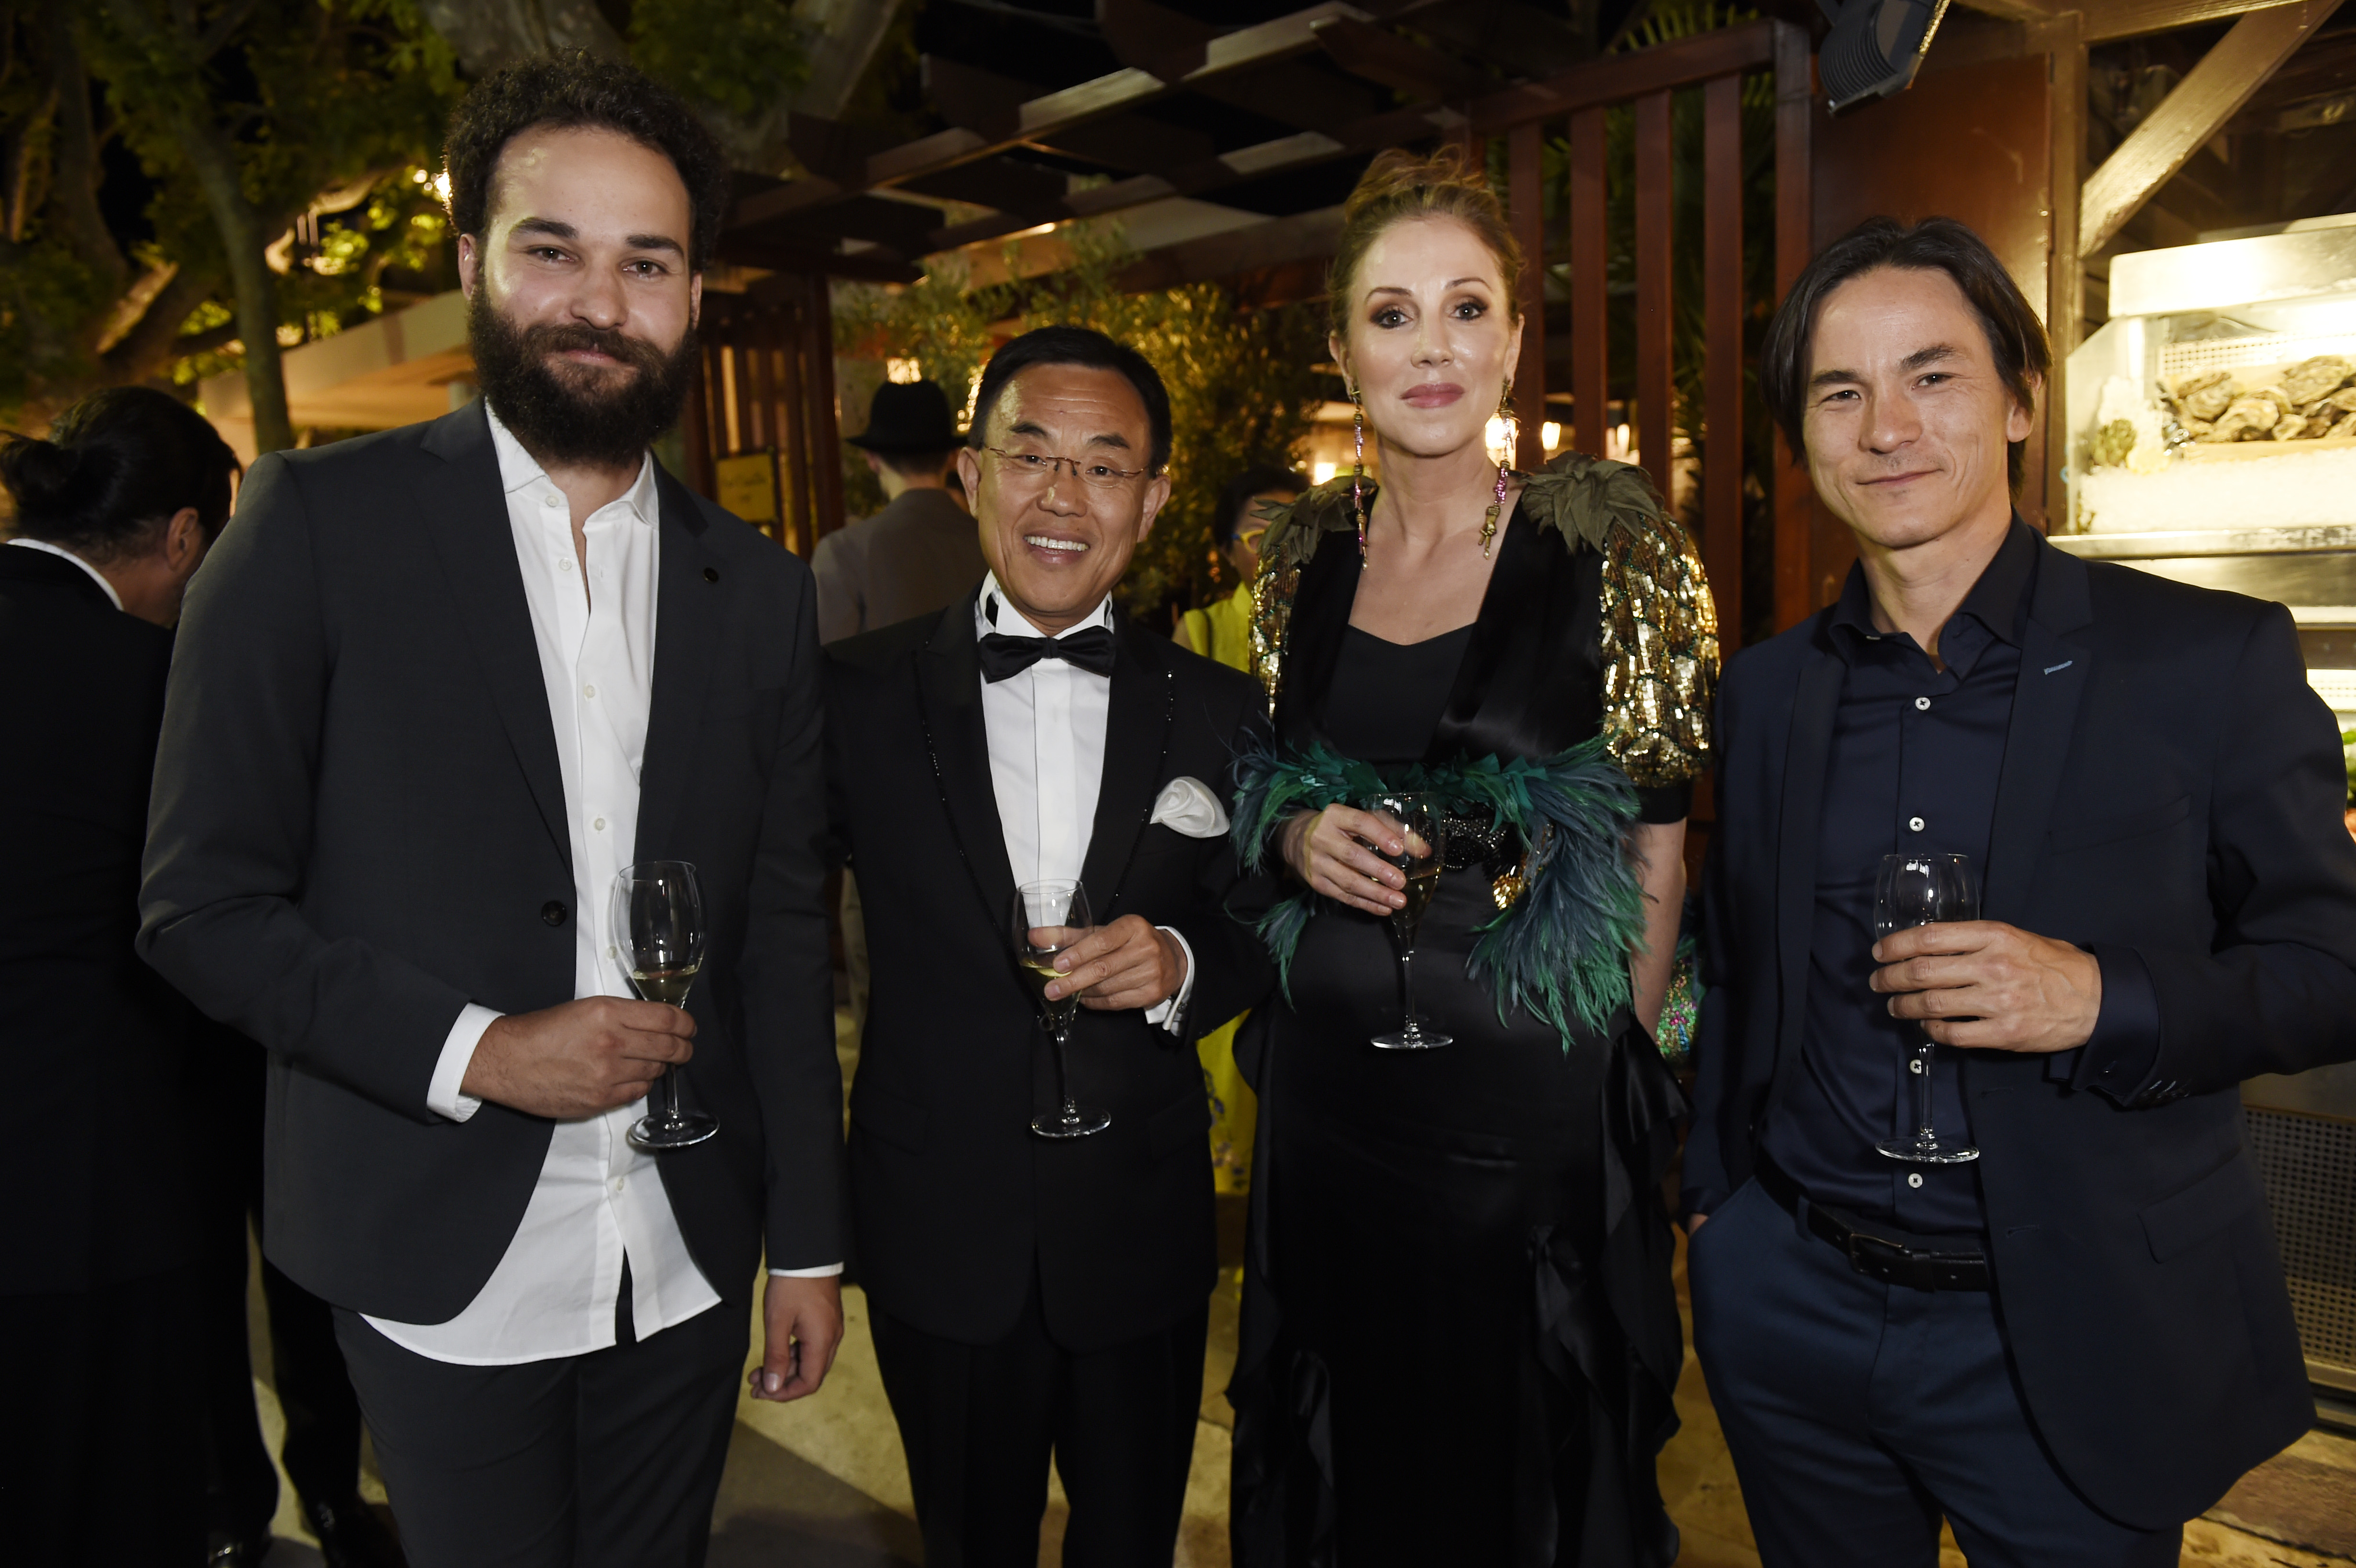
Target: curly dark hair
{"type": "Point", "coordinates": [578, 89]}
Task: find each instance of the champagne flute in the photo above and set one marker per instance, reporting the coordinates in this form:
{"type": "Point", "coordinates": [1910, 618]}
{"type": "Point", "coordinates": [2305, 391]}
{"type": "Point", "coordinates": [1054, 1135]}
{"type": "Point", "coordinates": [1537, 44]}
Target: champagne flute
{"type": "Point", "coordinates": [1423, 839]}
{"type": "Point", "coordinates": [1047, 919]}
{"type": "Point", "coordinates": [658, 932]}
{"type": "Point", "coordinates": [1917, 890]}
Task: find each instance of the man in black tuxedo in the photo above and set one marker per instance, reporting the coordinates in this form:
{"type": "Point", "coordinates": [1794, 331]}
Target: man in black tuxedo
{"type": "Point", "coordinates": [2076, 1341]}
{"type": "Point", "coordinates": [1033, 1295]}
{"type": "Point", "coordinates": [114, 512]}
{"type": "Point", "coordinates": [436, 689]}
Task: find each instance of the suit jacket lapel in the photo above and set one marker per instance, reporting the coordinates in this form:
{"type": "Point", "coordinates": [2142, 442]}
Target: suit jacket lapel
{"type": "Point", "coordinates": [687, 619]}
{"type": "Point", "coordinates": [1137, 741]}
{"type": "Point", "coordinates": [1815, 703]}
{"type": "Point", "coordinates": [948, 701]}
{"type": "Point", "coordinates": [463, 506]}
{"type": "Point", "coordinates": [2057, 665]}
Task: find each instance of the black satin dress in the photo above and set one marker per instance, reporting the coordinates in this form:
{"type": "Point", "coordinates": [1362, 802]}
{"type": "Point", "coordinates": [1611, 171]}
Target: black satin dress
{"type": "Point", "coordinates": [1460, 1335]}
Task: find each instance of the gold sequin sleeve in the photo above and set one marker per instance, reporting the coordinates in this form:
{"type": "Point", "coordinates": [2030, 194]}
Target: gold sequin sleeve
{"type": "Point", "coordinates": [1660, 654]}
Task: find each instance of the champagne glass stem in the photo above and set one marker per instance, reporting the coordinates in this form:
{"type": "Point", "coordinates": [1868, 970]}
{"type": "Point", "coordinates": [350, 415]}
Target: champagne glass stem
{"type": "Point", "coordinates": [1062, 1075]}
{"type": "Point", "coordinates": [1924, 1047]}
{"type": "Point", "coordinates": [1406, 993]}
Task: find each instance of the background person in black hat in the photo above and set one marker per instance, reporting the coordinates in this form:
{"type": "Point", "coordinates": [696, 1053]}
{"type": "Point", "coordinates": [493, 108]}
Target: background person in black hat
{"type": "Point", "coordinates": [919, 554]}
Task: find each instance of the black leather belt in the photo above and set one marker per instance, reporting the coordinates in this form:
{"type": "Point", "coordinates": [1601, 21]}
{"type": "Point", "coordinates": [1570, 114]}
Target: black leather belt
{"type": "Point", "coordinates": [1876, 1250]}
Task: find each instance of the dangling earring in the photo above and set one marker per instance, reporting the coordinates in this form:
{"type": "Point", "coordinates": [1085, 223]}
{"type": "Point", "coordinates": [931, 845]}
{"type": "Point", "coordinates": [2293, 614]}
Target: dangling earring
{"type": "Point", "coordinates": [1358, 466]}
{"type": "Point", "coordinates": [1513, 436]}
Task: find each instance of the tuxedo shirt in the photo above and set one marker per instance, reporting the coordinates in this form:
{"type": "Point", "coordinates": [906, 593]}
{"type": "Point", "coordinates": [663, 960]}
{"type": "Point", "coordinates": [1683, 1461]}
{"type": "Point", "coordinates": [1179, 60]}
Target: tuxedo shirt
{"type": "Point", "coordinates": [1046, 730]}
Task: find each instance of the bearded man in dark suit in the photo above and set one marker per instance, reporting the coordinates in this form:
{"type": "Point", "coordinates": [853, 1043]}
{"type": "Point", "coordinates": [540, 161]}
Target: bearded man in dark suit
{"type": "Point", "coordinates": [1033, 1295]}
{"type": "Point", "coordinates": [436, 687]}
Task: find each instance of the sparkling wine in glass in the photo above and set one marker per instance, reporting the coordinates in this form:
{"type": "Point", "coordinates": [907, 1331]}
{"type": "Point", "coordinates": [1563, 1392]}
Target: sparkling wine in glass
{"type": "Point", "coordinates": [658, 933]}
{"type": "Point", "coordinates": [1918, 889]}
{"type": "Point", "coordinates": [1046, 920]}
{"type": "Point", "coordinates": [1423, 839]}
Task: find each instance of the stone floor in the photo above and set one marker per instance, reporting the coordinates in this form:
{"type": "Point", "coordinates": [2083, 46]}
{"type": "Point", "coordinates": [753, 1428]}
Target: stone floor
{"type": "Point", "coordinates": [823, 1483]}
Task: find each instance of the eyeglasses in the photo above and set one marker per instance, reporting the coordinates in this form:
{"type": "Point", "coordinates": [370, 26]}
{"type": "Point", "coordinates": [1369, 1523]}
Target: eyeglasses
{"type": "Point", "coordinates": [1040, 467]}
{"type": "Point", "coordinates": [1252, 536]}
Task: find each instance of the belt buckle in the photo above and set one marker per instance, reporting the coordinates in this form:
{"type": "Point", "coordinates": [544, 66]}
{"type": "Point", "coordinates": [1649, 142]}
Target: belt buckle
{"type": "Point", "coordinates": [1877, 1258]}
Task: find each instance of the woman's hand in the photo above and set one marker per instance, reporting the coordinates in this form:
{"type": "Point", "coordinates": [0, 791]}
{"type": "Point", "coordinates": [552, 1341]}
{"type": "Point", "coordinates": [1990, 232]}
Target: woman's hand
{"type": "Point", "coordinates": [1328, 850]}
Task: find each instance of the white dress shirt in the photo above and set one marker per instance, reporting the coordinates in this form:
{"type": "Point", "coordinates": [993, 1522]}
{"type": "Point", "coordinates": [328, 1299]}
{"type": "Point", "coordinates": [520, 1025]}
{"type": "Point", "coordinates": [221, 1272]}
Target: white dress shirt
{"type": "Point", "coordinates": [553, 1293]}
{"type": "Point", "coordinates": [1046, 731]}
{"type": "Point", "coordinates": [59, 550]}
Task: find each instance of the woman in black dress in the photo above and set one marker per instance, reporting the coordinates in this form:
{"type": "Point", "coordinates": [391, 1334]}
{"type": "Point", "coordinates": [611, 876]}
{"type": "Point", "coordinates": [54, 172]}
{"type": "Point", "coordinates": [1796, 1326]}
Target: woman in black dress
{"type": "Point", "coordinates": [1459, 1337]}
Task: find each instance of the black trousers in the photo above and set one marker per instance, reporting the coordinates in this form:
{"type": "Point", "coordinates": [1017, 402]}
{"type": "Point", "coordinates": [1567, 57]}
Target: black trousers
{"type": "Point", "coordinates": [101, 1452]}
{"type": "Point", "coordinates": [322, 1445]}
{"type": "Point", "coordinates": [980, 1422]}
{"type": "Point", "coordinates": [607, 1460]}
{"type": "Point", "coordinates": [1857, 1414]}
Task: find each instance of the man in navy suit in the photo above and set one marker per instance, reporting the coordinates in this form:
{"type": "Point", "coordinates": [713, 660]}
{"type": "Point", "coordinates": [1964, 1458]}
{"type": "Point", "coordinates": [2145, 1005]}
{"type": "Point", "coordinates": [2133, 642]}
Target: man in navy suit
{"type": "Point", "coordinates": [2073, 1343]}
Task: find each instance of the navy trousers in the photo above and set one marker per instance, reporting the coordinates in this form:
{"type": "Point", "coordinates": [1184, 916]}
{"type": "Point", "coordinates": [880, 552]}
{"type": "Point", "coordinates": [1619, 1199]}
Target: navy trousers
{"type": "Point", "coordinates": [1857, 1414]}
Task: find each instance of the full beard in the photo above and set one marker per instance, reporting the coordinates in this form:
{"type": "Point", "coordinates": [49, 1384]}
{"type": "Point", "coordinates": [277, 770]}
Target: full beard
{"type": "Point", "coordinates": [565, 413]}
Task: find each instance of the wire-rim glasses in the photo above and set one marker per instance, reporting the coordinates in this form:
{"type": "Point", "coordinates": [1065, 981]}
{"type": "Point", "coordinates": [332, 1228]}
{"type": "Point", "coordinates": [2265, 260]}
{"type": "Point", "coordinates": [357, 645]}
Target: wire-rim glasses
{"type": "Point", "coordinates": [1041, 468]}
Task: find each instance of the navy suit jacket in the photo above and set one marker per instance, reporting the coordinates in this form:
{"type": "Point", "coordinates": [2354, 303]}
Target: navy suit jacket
{"type": "Point", "coordinates": [2172, 786]}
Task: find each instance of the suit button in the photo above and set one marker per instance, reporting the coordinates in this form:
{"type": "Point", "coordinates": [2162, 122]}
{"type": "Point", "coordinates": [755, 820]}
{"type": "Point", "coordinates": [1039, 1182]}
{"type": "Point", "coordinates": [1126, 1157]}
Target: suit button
{"type": "Point", "coordinates": [711, 574]}
{"type": "Point", "coordinates": [553, 913]}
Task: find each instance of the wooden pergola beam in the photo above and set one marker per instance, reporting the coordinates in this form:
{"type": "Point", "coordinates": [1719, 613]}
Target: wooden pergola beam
{"type": "Point", "coordinates": [2209, 94]}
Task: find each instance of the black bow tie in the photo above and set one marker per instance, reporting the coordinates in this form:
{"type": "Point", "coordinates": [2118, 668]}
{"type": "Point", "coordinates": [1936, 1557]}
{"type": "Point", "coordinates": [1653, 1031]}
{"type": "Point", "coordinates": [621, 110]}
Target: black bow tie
{"type": "Point", "coordinates": [1002, 656]}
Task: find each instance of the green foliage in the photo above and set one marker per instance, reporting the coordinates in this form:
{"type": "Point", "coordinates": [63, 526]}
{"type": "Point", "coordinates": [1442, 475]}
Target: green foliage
{"type": "Point", "coordinates": [736, 55]}
{"type": "Point", "coordinates": [1243, 385]}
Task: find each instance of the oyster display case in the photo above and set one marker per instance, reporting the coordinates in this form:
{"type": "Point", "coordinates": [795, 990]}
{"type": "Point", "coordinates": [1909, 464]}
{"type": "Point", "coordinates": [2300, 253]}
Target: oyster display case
{"type": "Point", "coordinates": [2214, 441]}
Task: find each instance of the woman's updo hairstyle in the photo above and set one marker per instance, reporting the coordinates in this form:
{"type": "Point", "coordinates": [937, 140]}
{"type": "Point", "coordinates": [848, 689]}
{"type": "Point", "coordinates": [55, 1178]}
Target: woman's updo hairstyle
{"type": "Point", "coordinates": [115, 468]}
{"type": "Point", "coordinates": [1399, 185]}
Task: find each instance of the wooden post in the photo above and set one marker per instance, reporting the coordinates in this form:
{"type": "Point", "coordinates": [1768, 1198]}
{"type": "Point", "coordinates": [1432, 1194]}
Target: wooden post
{"type": "Point", "coordinates": [2065, 267]}
{"type": "Point", "coordinates": [824, 444]}
{"type": "Point", "coordinates": [1721, 473]}
{"type": "Point", "coordinates": [1525, 163]}
{"type": "Point", "coordinates": [1656, 267]}
{"type": "Point", "coordinates": [1591, 345]}
{"type": "Point", "coordinates": [1794, 500]}
{"type": "Point", "coordinates": [787, 328]}
{"type": "Point", "coordinates": [695, 427]}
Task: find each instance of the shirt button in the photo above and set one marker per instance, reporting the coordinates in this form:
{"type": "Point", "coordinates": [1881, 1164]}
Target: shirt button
{"type": "Point", "coordinates": [552, 499]}
{"type": "Point", "coordinates": [592, 692]}
{"type": "Point", "coordinates": [1916, 1180]}
{"type": "Point", "coordinates": [599, 824]}
{"type": "Point", "coordinates": [1922, 704]}
{"type": "Point", "coordinates": [1914, 822]}
{"type": "Point", "coordinates": [622, 1181]}
{"type": "Point", "coordinates": [564, 563]}
{"type": "Point", "coordinates": [1913, 1065]}
{"type": "Point", "coordinates": [609, 951]}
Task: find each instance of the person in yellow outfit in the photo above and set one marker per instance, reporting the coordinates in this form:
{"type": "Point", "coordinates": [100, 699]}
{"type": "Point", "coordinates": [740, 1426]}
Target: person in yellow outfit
{"type": "Point", "coordinates": [1222, 632]}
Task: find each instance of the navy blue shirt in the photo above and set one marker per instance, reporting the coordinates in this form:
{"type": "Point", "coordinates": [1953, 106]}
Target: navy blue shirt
{"type": "Point", "coordinates": [1916, 753]}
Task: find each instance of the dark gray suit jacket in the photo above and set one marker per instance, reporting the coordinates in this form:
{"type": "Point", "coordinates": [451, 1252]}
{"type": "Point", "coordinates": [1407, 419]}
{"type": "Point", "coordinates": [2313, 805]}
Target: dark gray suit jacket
{"type": "Point", "coordinates": [359, 827]}
{"type": "Point", "coordinates": [916, 557]}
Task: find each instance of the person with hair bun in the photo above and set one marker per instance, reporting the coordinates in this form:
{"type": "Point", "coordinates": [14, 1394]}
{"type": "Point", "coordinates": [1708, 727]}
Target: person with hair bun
{"type": "Point", "coordinates": [1460, 1335]}
{"type": "Point", "coordinates": [114, 512]}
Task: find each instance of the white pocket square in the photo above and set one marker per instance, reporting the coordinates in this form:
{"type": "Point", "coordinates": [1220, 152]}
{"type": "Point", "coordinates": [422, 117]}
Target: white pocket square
{"type": "Point", "coordinates": [1187, 806]}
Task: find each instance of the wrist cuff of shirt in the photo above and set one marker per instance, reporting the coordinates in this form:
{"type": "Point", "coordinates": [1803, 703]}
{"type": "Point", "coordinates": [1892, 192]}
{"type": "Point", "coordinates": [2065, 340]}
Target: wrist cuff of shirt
{"type": "Point", "coordinates": [826, 1271]}
{"type": "Point", "coordinates": [1171, 1011]}
{"type": "Point", "coordinates": [2119, 1058]}
{"type": "Point", "coordinates": [443, 1096]}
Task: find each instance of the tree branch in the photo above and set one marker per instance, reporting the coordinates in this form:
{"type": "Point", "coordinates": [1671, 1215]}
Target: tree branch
{"type": "Point", "coordinates": [141, 353]}
{"type": "Point", "coordinates": [74, 185]}
{"type": "Point", "coordinates": [217, 35]}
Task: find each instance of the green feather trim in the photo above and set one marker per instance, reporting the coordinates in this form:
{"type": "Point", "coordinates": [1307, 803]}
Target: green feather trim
{"type": "Point", "coordinates": [1561, 951]}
